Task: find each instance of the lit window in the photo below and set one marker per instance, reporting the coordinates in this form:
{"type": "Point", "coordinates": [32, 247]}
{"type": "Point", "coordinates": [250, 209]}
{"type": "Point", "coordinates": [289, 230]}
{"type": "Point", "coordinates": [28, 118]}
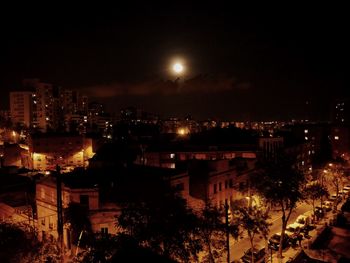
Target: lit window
{"type": "Point", "coordinates": [306, 131]}
{"type": "Point", "coordinates": [306, 138]}
{"type": "Point", "coordinates": [172, 155]}
{"type": "Point", "coordinates": [104, 230]}
{"type": "Point", "coordinates": [336, 137]}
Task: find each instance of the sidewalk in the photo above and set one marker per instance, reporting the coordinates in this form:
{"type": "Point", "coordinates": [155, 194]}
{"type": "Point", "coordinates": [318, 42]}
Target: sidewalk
{"type": "Point", "coordinates": [290, 253]}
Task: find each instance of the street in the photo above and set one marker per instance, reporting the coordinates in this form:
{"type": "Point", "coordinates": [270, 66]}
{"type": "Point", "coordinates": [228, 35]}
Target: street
{"type": "Point", "coordinates": [237, 248]}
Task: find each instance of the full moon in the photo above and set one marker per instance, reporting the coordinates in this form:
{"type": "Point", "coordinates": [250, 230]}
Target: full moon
{"type": "Point", "coordinates": [178, 68]}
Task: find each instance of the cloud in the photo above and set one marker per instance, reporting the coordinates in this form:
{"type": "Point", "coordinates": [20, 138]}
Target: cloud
{"type": "Point", "coordinates": [199, 84]}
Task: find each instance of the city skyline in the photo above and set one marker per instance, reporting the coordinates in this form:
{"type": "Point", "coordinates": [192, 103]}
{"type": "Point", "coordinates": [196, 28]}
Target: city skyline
{"type": "Point", "coordinates": [237, 63]}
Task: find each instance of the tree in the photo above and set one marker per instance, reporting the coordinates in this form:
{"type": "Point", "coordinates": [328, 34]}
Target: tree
{"type": "Point", "coordinates": [119, 248]}
{"type": "Point", "coordinates": [280, 183]}
{"type": "Point", "coordinates": [77, 216]}
{"type": "Point", "coordinates": [20, 245]}
{"type": "Point", "coordinates": [253, 219]}
{"type": "Point", "coordinates": [102, 249]}
{"type": "Point", "coordinates": [212, 233]}
{"type": "Point", "coordinates": [15, 243]}
{"type": "Point", "coordinates": [314, 192]}
{"type": "Point", "coordinates": [335, 177]}
{"type": "Point", "coordinates": [161, 221]}
{"type": "Point", "coordinates": [48, 252]}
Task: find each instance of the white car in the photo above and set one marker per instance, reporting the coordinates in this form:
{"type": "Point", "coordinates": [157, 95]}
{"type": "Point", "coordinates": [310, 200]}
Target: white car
{"type": "Point", "coordinates": [327, 205]}
{"type": "Point", "coordinates": [293, 230]}
{"type": "Point", "coordinates": [345, 192]}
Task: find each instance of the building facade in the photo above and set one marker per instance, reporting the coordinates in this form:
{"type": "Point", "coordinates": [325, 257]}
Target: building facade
{"type": "Point", "coordinates": [101, 216]}
{"type": "Point", "coordinates": [21, 107]}
{"type": "Point", "coordinates": [66, 150]}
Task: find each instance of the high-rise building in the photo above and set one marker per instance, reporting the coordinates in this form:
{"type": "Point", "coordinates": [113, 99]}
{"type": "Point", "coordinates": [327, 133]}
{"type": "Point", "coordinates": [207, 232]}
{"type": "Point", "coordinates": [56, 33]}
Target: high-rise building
{"type": "Point", "coordinates": [72, 102]}
{"type": "Point", "coordinates": [21, 107]}
{"type": "Point", "coordinates": [44, 106]}
{"type": "Point", "coordinates": [341, 111]}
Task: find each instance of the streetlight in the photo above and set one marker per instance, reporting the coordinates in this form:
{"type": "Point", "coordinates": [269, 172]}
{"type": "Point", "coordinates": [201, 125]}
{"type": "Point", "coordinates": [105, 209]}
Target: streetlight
{"type": "Point", "coordinates": [226, 206]}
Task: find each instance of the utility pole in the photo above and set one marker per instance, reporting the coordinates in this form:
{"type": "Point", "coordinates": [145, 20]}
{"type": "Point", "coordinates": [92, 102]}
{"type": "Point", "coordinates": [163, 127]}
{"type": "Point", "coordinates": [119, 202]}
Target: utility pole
{"type": "Point", "coordinates": [227, 232]}
{"type": "Point", "coordinates": [59, 210]}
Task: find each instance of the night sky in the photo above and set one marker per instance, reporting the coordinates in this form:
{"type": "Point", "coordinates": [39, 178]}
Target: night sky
{"type": "Point", "coordinates": [268, 62]}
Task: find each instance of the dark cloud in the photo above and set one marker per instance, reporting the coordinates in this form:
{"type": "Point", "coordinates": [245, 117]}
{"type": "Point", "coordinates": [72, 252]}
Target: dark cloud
{"type": "Point", "coordinates": [199, 84]}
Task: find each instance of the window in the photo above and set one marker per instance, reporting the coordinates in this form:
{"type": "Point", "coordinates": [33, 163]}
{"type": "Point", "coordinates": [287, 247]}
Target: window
{"type": "Point", "coordinates": [50, 223]}
{"type": "Point", "coordinates": [226, 184]}
{"type": "Point", "coordinates": [52, 196]}
{"type": "Point", "coordinates": [179, 187]}
{"type": "Point", "coordinates": [42, 221]}
{"type": "Point", "coordinates": [84, 200]}
{"type": "Point", "coordinates": [42, 192]}
{"type": "Point", "coordinates": [241, 186]}
{"type": "Point", "coordinates": [231, 183]}
{"type": "Point", "coordinates": [215, 188]}
{"type": "Point", "coordinates": [219, 186]}
{"type": "Point", "coordinates": [336, 137]}
{"type": "Point", "coordinates": [104, 230]}
{"type": "Point", "coordinates": [172, 155]}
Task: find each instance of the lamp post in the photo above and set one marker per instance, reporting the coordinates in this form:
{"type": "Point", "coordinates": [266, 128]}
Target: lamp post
{"type": "Point", "coordinates": [227, 231]}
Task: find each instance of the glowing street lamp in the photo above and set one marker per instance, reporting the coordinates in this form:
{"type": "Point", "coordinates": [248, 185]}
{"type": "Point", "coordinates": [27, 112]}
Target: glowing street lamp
{"type": "Point", "coordinates": [181, 131]}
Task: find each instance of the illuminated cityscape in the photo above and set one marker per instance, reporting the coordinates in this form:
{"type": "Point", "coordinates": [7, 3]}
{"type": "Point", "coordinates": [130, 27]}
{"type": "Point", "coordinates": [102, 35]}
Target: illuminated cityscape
{"type": "Point", "coordinates": [184, 134]}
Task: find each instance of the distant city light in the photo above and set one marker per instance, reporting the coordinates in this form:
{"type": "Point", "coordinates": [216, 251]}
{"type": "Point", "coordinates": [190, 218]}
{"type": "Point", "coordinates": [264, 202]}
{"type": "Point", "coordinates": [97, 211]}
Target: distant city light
{"type": "Point", "coordinates": [181, 131]}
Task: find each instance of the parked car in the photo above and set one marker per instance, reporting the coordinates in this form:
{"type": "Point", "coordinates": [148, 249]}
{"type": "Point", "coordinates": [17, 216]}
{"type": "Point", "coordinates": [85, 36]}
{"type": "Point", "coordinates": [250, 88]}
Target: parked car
{"type": "Point", "coordinates": [274, 241]}
{"type": "Point", "coordinates": [345, 192]}
{"type": "Point", "coordinates": [304, 221]}
{"type": "Point", "coordinates": [347, 187]}
{"type": "Point", "coordinates": [320, 211]}
{"type": "Point", "coordinates": [327, 205]}
{"type": "Point", "coordinates": [293, 230]}
{"type": "Point", "coordinates": [334, 198]}
{"type": "Point", "coordinates": [258, 255]}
